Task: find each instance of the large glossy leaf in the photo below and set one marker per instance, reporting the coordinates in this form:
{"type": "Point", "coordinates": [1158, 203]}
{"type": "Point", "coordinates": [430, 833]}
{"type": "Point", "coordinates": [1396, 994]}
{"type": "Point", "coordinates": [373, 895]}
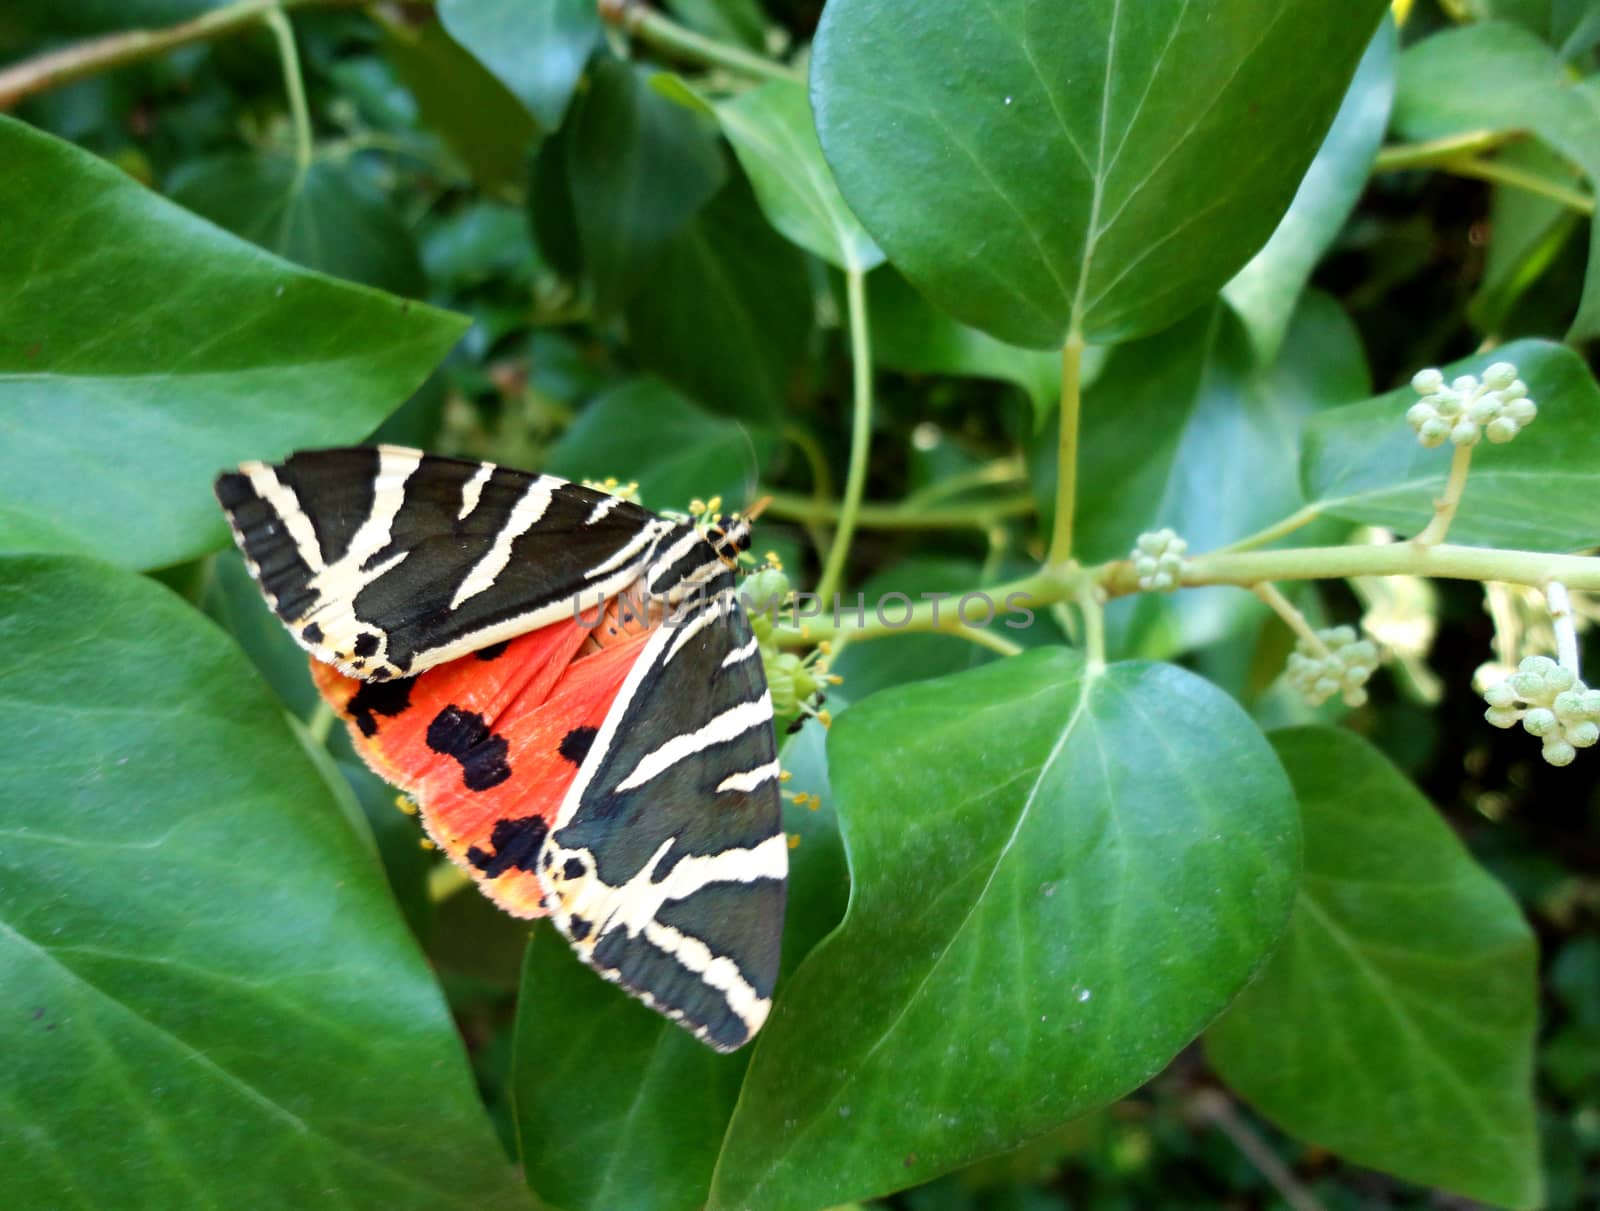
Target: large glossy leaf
{"type": "Point", "coordinates": [197, 954]}
{"type": "Point", "coordinates": [101, 16]}
{"type": "Point", "coordinates": [1059, 878]}
{"type": "Point", "coordinates": [646, 431]}
{"type": "Point", "coordinates": [1396, 1023]}
{"type": "Point", "coordinates": [1185, 429]}
{"type": "Point", "coordinates": [910, 334]}
{"type": "Point", "coordinates": [639, 167]}
{"type": "Point", "coordinates": [324, 217]}
{"type": "Point", "coordinates": [727, 313]}
{"type": "Point", "coordinates": [619, 1109]}
{"type": "Point", "coordinates": [537, 49]}
{"type": "Point", "coordinates": [1265, 291]}
{"type": "Point", "coordinates": [773, 134]}
{"type": "Point", "coordinates": [475, 113]}
{"type": "Point", "coordinates": [1363, 463]}
{"type": "Point", "coordinates": [145, 351]}
{"type": "Point", "coordinates": [1498, 76]}
{"type": "Point", "coordinates": [1039, 167]}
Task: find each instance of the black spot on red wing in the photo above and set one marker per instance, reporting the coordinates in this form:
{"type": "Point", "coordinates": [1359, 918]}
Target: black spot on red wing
{"type": "Point", "coordinates": [311, 633]}
{"type": "Point", "coordinates": [388, 698]}
{"type": "Point", "coordinates": [466, 737]}
{"type": "Point", "coordinates": [516, 846]}
{"type": "Point", "coordinates": [575, 744]}
{"type": "Point", "coordinates": [573, 869]}
{"type": "Point", "coordinates": [578, 928]}
{"type": "Point", "coordinates": [494, 651]}
{"type": "Point", "coordinates": [365, 645]}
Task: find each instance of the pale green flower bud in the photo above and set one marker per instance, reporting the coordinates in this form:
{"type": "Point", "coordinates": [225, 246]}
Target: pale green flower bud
{"type": "Point", "coordinates": [1583, 735]}
{"type": "Point", "coordinates": [1502, 716]}
{"type": "Point", "coordinates": [1500, 695]}
{"type": "Point", "coordinates": [1419, 414]}
{"type": "Point", "coordinates": [1559, 752]}
{"type": "Point", "coordinates": [1499, 376]}
{"type": "Point", "coordinates": [1465, 385]}
{"type": "Point", "coordinates": [1501, 430]}
{"type": "Point", "coordinates": [1465, 433]}
{"type": "Point", "coordinates": [1425, 382]}
{"type": "Point", "coordinates": [1434, 432]}
{"type": "Point", "coordinates": [1540, 721]}
{"type": "Point", "coordinates": [1521, 410]}
{"type": "Point", "coordinates": [1528, 685]}
{"type": "Point", "coordinates": [1559, 677]}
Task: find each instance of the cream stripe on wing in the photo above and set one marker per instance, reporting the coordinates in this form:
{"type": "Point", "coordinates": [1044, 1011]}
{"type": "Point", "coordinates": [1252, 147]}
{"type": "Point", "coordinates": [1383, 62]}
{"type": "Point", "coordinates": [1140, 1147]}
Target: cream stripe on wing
{"type": "Point", "coordinates": [729, 725]}
{"type": "Point", "coordinates": [750, 779]}
{"type": "Point", "coordinates": [524, 515]}
{"type": "Point", "coordinates": [286, 505]}
{"type": "Point", "coordinates": [473, 489]}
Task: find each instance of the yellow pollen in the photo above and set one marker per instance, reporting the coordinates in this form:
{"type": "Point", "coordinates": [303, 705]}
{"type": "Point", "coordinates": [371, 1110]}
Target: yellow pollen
{"type": "Point", "coordinates": [794, 841]}
{"type": "Point", "coordinates": [784, 776]}
{"type": "Point", "coordinates": [825, 718]}
{"type": "Point", "coordinates": [406, 804]}
{"type": "Point", "coordinates": [427, 843]}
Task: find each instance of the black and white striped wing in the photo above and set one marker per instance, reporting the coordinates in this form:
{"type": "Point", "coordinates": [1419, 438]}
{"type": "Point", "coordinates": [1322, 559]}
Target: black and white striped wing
{"type": "Point", "coordinates": [668, 862]}
{"type": "Point", "coordinates": [386, 561]}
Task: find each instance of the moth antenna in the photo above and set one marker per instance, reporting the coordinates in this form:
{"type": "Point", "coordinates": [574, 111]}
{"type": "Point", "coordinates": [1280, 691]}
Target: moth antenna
{"type": "Point", "coordinates": [752, 478]}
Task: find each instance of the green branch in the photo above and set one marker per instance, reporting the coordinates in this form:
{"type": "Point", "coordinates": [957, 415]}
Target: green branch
{"type": "Point", "coordinates": [294, 86]}
{"type": "Point", "coordinates": [905, 516]}
{"type": "Point", "coordinates": [96, 55]}
{"type": "Point", "coordinates": [860, 433]}
{"type": "Point", "coordinates": [1461, 155]}
{"type": "Point", "coordinates": [664, 35]}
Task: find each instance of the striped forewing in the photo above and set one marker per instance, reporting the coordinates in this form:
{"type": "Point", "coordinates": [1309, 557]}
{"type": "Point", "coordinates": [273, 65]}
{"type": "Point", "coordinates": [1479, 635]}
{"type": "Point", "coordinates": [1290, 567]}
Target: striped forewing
{"type": "Point", "coordinates": [386, 561]}
{"type": "Point", "coordinates": [667, 864]}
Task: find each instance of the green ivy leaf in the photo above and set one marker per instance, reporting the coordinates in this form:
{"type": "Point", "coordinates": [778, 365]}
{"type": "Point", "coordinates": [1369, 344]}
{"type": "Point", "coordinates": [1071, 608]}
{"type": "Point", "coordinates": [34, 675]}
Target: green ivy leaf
{"type": "Point", "coordinates": [911, 335]}
{"type": "Point", "coordinates": [639, 167]}
{"type": "Point", "coordinates": [195, 947]}
{"type": "Point", "coordinates": [1396, 1023]}
{"type": "Point", "coordinates": [646, 431]}
{"type": "Point", "coordinates": [325, 218]}
{"type": "Point", "coordinates": [773, 135]}
{"type": "Point", "coordinates": [537, 49]}
{"type": "Point", "coordinates": [1034, 174]}
{"type": "Point", "coordinates": [727, 314]}
{"type": "Point", "coordinates": [1363, 463]}
{"type": "Point", "coordinates": [486, 125]}
{"type": "Point", "coordinates": [145, 351]}
{"type": "Point", "coordinates": [1265, 291]}
{"type": "Point", "coordinates": [618, 1109]}
{"type": "Point", "coordinates": [1497, 76]}
{"type": "Point", "coordinates": [1059, 878]}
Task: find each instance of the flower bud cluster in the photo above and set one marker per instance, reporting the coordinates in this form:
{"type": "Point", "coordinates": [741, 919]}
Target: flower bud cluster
{"type": "Point", "coordinates": [1498, 407]}
{"type": "Point", "coordinates": [1158, 560]}
{"type": "Point", "coordinates": [1344, 669]}
{"type": "Point", "coordinates": [797, 684]}
{"type": "Point", "coordinates": [1550, 703]}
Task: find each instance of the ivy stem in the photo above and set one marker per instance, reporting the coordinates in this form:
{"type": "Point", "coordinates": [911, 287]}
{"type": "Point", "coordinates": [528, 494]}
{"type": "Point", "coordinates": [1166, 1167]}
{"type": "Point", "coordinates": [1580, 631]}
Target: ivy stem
{"type": "Point", "coordinates": [903, 516]}
{"type": "Point", "coordinates": [294, 86]}
{"type": "Point", "coordinates": [1444, 509]}
{"type": "Point", "coordinates": [1434, 153]}
{"type": "Point", "coordinates": [860, 433]}
{"type": "Point", "coordinates": [1214, 1107]}
{"type": "Point", "coordinates": [1516, 178]}
{"type": "Point", "coordinates": [1444, 561]}
{"type": "Point", "coordinates": [320, 723]}
{"type": "Point", "coordinates": [80, 60]}
{"type": "Point", "coordinates": [444, 880]}
{"type": "Point", "coordinates": [1067, 448]}
{"type": "Point", "coordinates": [1005, 471]}
{"type": "Point", "coordinates": [1560, 607]}
{"type": "Point", "coordinates": [1092, 602]}
{"type": "Point", "coordinates": [661, 34]}
{"type": "Point", "coordinates": [1300, 517]}
{"type": "Point", "coordinates": [1285, 609]}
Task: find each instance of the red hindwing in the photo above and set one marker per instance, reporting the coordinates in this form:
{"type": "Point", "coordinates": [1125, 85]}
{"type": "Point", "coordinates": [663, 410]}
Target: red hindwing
{"type": "Point", "coordinates": [488, 744]}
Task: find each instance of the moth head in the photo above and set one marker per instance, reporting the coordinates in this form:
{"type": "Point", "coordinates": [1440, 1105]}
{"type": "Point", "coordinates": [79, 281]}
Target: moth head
{"type": "Point", "coordinates": [730, 536]}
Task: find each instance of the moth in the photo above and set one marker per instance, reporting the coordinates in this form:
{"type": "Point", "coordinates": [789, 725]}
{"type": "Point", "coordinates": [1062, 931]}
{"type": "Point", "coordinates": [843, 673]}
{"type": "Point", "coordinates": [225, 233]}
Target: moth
{"type": "Point", "coordinates": [567, 685]}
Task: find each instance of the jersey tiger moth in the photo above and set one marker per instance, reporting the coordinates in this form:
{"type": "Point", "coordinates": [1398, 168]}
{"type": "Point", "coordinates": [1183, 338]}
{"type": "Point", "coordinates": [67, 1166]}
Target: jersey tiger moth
{"type": "Point", "coordinates": [568, 686]}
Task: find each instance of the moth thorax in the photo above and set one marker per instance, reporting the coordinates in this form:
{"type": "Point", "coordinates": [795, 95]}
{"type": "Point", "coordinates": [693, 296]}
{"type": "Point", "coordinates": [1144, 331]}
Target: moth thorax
{"type": "Point", "coordinates": [729, 540]}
